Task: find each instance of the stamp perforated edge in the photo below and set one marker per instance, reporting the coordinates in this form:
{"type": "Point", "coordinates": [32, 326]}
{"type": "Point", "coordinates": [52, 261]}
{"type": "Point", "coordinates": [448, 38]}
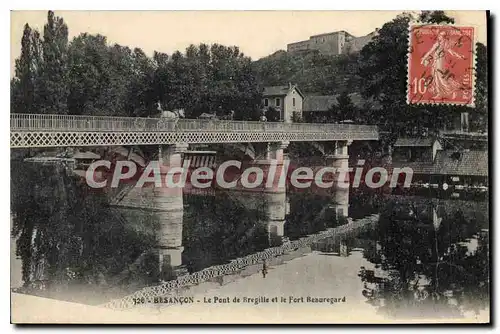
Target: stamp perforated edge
{"type": "Point", "coordinates": [416, 23]}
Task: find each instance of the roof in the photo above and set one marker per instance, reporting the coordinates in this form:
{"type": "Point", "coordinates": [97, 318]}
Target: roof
{"type": "Point", "coordinates": [470, 163]}
{"type": "Point", "coordinates": [86, 155]}
{"type": "Point", "coordinates": [126, 153]}
{"type": "Point", "coordinates": [280, 90]}
{"type": "Point", "coordinates": [332, 33]}
{"type": "Point", "coordinates": [299, 42]}
{"type": "Point", "coordinates": [200, 152]}
{"type": "Point", "coordinates": [319, 103]}
{"type": "Point", "coordinates": [460, 135]}
{"type": "Point", "coordinates": [49, 159]}
{"type": "Point", "coordinates": [322, 103]}
{"type": "Point", "coordinates": [466, 163]}
{"type": "Point", "coordinates": [414, 142]}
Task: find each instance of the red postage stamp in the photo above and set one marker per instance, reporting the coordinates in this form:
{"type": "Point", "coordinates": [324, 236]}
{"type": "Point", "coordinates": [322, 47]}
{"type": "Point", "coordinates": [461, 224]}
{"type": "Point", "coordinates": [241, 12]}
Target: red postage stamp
{"type": "Point", "coordinates": [441, 62]}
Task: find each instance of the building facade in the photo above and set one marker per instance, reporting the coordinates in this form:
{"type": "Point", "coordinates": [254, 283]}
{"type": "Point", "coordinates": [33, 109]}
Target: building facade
{"type": "Point", "coordinates": [416, 149]}
{"type": "Point", "coordinates": [447, 168]}
{"type": "Point", "coordinates": [286, 99]}
{"type": "Point", "coordinates": [334, 43]}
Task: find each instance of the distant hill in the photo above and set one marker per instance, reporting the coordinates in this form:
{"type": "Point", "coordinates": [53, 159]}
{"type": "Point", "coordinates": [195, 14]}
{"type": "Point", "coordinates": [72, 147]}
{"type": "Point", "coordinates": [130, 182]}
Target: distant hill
{"type": "Point", "coordinates": [316, 74]}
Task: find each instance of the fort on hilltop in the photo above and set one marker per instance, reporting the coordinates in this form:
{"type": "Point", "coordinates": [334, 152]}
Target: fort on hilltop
{"type": "Point", "coordinates": [334, 43]}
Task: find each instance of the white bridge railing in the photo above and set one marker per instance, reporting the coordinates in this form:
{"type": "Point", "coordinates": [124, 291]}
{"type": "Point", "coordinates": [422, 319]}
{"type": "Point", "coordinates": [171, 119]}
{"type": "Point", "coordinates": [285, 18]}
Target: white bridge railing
{"type": "Point", "coordinates": [34, 122]}
{"type": "Point", "coordinates": [30, 130]}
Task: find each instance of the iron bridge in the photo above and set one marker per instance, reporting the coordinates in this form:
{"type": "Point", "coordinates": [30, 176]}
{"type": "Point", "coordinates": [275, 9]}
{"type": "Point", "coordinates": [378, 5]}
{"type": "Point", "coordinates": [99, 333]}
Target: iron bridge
{"type": "Point", "coordinates": [32, 130]}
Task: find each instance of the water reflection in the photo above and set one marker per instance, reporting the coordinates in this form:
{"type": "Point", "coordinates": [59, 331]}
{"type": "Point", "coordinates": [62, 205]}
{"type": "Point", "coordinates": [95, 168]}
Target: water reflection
{"type": "Point", "coordinates": [428, 256]}
{"type": "Point", "coordinates": [223, 227]}
{"type": "Point", "coordinates": [67, 238]}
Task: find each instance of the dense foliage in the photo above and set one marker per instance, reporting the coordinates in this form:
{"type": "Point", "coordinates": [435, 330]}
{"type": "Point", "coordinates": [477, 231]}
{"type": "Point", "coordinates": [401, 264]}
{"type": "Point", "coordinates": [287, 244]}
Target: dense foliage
{"type": "Point", "coordinates": [314, 73]}
{"type": "Point", "coordinates": [88, 76]}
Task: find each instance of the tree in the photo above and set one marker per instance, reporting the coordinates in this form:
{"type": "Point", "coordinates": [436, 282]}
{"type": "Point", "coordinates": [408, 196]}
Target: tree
{"type": "Point", "coordinates": [88, 66]}
{"type": "Point", "coordinates": [22, 85]}
{"type": "Point", "coordinates": [53, 88]}
{"type": "Point", "coordinates": [297, 118]}
{"type": "Point", "coordinates": [344, 109]}
{"type": "Point", "coordinates": [273, 114]}
{"type": "Point", "coordinates": [205, 79]}
{"type": "Point", "coordinates": [178, 84]}
{"type": "Point", "coordinates": [383, 69]}
{"type": "Point", "coordinates": [141, 93]}
{"type": "Point", "coordinates": [109, 80]}
{"type": "Point", "coordinates": [435, 16]}
{"type": "Point", "coordinates": [27, 71]}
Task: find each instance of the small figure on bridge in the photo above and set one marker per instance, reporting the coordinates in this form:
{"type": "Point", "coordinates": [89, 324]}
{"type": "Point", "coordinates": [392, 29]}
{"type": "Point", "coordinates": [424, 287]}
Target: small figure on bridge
{"type": "Point", "coordinates": [264, 269]}
{"type": "Point", "coordinates": [217, 116]}
{"type": "Point", "coordinates": [263, 117]}
{"type": "Point", "coordinates": [209, 116]}
{"type": "Point", "coordinates": [229, 117]}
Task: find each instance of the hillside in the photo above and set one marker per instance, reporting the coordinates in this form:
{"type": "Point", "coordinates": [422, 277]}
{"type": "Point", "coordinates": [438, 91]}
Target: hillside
{"type": "Point", "coordinates": [316, 74]}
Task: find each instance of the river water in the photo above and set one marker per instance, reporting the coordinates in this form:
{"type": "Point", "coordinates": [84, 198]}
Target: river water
{"type": "Point", "coordinates": [427, 254]}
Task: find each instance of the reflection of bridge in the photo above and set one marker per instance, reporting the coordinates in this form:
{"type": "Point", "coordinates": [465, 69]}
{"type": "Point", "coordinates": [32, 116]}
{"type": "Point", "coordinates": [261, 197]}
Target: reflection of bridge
{"type": "Point", "coordinates": [31, 130]}
{"type": "Point", "coordinates": [235, 267]}
{"type": "Point", "coordinates": [166, 215]}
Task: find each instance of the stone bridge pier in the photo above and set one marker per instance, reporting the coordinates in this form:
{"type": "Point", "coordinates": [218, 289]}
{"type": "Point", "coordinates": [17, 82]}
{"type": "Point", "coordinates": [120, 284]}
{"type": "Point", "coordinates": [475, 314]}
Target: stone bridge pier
{"type": "Point", "coordinates": [265, 152]}
{"type": "Point", "coordinates": [337, 156]}
{"type": "Point", "coordinates": [168, 202]}
{"type": "Point", "coordinates": [163, 205]}
{"type": "Point", "coordinates": [276, 151]}
{"type": "Point", "coordinates": [169, 196]}
{"type": "Point", "coordinates": [340, 202]}
{"type": "Point", "coordinates": [273, 205]}
{"type": "Point", "coordinates": [164, 255]}
{"type": "Point", "coordinates": [169, 246]}
{"type": "Point", "coordinates": [155, 192]}
{"type": "Point", "coordinates": [275, 213]}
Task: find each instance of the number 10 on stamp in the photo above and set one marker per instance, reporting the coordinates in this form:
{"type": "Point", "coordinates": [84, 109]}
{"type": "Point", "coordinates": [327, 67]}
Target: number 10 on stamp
{"type": "Point", "coordinates": [441, 60]}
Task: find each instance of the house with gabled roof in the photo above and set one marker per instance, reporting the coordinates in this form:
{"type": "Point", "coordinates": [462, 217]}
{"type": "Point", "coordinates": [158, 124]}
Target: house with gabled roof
{"type": "Point", "coordinates": [416, 149]}
{"type": "Point", "coordinates": [286, 99]}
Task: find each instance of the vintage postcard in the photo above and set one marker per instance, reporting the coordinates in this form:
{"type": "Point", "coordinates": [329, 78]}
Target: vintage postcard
{"type": "Point", "coordinates": [192, 167]}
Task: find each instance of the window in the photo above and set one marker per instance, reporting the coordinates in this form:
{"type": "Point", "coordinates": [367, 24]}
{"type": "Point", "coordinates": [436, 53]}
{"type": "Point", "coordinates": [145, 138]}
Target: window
{"type": "Point", "coordinates": [293, 101]}
{"type": "Point", "coordinates": [278, 102]}
{"type": "Point", "coordinates": [266, 102]}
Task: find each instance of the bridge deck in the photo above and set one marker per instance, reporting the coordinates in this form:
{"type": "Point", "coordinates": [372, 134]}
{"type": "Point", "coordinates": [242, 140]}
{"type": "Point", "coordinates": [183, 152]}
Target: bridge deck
{"type": "Point", "coordinates": [31, 130]}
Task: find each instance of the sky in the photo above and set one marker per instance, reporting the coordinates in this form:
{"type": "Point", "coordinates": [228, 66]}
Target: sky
{"type": "Point", "coordinates": [257, 33]}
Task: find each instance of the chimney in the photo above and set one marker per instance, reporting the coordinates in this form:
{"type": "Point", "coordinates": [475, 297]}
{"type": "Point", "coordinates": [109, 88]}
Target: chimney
{"type": "Point", "coordinates": [289, 85]}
